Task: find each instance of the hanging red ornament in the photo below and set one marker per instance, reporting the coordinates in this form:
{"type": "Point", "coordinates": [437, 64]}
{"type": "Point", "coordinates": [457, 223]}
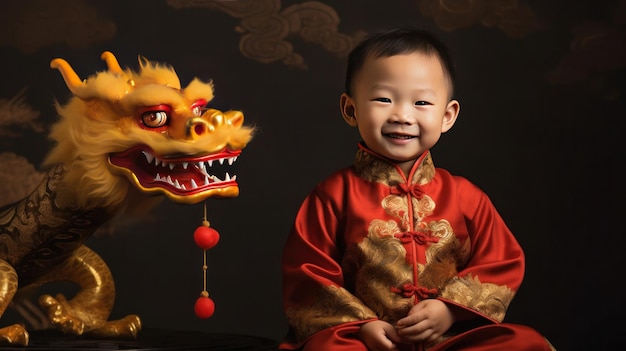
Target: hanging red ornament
{"type": "Point", "coordinates": [204, 307]}
{"type": "Point", "coordinates": [206, 237]}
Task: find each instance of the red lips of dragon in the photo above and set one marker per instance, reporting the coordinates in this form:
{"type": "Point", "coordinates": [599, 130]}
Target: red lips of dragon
{"type": "Point", "coordinates": [184, 176]}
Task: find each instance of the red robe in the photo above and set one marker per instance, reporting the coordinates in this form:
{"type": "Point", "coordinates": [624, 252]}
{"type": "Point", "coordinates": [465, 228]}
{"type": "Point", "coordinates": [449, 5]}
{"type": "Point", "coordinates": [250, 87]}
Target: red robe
{"type": "Point", "coordinates": [369, 244]}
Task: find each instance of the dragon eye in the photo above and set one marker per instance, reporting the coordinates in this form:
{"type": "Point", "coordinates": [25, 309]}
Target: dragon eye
{"type": "Point", "coordinates": [197, 108]}
{"type": "Point", "coordinates": [155, 119]}
{"type": "Point", "coordinates": [197, 111]}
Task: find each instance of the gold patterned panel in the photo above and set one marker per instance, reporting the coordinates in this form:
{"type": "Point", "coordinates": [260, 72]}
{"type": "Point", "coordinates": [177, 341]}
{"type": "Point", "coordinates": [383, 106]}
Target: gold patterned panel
{"type": "Point", "coordinates": [489, 299]}
{"type": "Point", "coordinates": [376, 264]}
{"type": "Point", "coordinates": [334, 305]}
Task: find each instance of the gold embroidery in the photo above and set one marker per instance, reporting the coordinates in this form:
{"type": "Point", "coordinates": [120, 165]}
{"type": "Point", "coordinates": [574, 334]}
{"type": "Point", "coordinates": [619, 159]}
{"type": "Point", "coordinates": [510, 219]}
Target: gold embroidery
{"type": "Point", "coordinates": [396, 206]}
{"type": "Point", "coordinates": [486, 298]}
{"type": "Point", "coordinates": [333, 305]}
{"type": "Point", "coordinates": [425, 172]}
{"type": "Point", "coordinates": [422, 208]}
{"type": "Point", "coordinates": [373, 169]}
{"type": "Point", "coordinates": [381, 258]}
{"type": "Point", "coordinates": [375, 265]}
{"type": "Point", "coordinates": [445, 258]}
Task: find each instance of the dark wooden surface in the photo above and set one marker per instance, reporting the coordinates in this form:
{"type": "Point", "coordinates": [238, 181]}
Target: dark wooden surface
{"type": "Point", "coordinates": [148, 339]}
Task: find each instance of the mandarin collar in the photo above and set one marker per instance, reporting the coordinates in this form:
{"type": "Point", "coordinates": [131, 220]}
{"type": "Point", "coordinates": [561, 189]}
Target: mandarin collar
{"type": "Point", "coordinates": [375, 168]}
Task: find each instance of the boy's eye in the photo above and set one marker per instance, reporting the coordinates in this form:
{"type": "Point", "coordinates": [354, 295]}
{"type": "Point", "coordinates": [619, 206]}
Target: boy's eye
{"type": "Point", "coordinates": [422, 103]}
{"type": "Point", "coordinates": [381, 99]}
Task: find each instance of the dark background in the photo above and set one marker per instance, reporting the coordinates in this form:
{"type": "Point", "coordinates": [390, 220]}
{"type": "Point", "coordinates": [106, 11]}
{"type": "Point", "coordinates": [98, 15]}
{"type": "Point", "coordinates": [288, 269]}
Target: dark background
{"type": "Point", "coordinates": [541, 87]}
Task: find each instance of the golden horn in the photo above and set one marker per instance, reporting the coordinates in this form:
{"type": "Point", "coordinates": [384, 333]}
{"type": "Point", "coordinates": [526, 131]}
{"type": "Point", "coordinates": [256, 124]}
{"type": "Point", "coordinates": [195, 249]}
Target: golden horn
{"type": "Point", "coordinates": [72, 80]}
{"type": "Point", "coordinates": [111, 61]}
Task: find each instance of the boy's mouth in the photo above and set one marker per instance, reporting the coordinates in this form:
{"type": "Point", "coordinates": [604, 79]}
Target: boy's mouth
{"type": "Point", "coordinates": [399, 136]}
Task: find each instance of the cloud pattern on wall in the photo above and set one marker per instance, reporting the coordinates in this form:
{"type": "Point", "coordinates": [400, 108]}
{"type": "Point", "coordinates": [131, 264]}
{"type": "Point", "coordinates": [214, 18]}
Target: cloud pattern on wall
{"type": "Point", "coordinates": [18, 176]}
{"type": "Point", "coordinates": [597, 50]}
{"type": "Point", "coordinates": [266, 28]}
{"type": "Point", "coordinates": [16, 115]}
{"type": "Point", "coordinates": [513, 17]}
{"type": "Point", "coordinates": [34, 24]}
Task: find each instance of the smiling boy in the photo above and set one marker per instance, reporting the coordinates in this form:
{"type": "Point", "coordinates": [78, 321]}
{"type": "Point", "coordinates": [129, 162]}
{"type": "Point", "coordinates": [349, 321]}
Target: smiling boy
{"type": "Point", "coordinates": [393, 253]}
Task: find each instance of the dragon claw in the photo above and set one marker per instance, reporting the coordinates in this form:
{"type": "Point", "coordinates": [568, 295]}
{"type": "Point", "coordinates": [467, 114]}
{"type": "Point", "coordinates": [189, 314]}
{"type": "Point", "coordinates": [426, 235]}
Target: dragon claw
{"type": "Point", "coordinates": [59, 314]}
{"type": "Point", "coordinates": [14, 334]}
{"type": "Point", "coordinates": [127, 327]}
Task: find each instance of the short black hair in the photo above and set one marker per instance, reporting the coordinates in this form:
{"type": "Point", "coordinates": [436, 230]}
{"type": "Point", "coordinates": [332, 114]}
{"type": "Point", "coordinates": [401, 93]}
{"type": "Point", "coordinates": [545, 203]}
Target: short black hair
{"type": "Point", "coordinates": [399, 41]}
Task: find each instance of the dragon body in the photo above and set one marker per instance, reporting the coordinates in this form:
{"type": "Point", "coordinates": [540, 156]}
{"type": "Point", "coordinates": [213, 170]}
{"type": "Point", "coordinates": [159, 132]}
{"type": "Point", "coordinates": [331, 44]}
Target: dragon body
{"type": "Point", "coordinates": [124, 140]}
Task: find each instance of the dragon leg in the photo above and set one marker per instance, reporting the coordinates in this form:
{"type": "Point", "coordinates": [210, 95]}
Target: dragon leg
{"type": "Point", "coordinates": [13, 334]}
{"type": "Point", "coordinates": [89, 310]}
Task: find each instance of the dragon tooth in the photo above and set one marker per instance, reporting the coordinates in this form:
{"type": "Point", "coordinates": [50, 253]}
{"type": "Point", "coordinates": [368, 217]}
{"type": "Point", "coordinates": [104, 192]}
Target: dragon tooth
{"type": "Point", "coordinates": [210, 162]}
{"type": "Point", "coordinates": [171, 166]}
{"type": "Point", "coordinates": [193, 184]}
{"type": "Point", "coordinates": [221, 161]}
{"type": "Point", "coordinates": [158, 177]}
{"type": "Point", "coordinates": [201, 165]}
{"type": "Point", "coordinates": [182, 186]}
{"type": "Point", "coordinates": [231, 160]}
{"type": "Point", "coordinates": [149, 157]}
{"type": "Point", "coordinates": [169, 180]}
{"type": "Point", "coordinates": [226, 177]}
{"type": "Point", "coordinates": [156, 161]}
{"type": "Point", "coordinates": [234, 177]}
{"type": "Point", "coordinates": [203, 171]}
{"type": "Point", "coordinates": [176, 184]}
{"type": "Point", "coordinates": [185, 164]}
{"type": "Point", "coordinates": [206, 180]}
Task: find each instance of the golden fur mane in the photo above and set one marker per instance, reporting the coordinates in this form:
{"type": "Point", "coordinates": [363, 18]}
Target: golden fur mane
{"type": "Point", "coordinates": [100, 119]}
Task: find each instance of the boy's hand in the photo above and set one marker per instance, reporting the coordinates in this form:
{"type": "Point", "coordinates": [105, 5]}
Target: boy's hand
{"type": "Point", "coordinates": [379, 336]}
{"type": "Point", "coordinates": [426, 321]}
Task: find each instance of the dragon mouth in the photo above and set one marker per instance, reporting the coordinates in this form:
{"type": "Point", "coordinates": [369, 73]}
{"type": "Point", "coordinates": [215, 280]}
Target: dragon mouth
{"type": "Point", "coordinates": [186, 178]}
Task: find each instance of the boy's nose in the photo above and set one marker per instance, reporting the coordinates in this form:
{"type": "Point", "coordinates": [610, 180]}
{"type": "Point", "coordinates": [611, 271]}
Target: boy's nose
{"type": "Point", "coordinates": [402, 114]}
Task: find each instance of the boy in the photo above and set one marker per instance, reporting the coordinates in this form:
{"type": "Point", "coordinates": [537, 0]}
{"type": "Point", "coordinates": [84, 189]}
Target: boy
{"type": "Point", "coordinates": [393, 253]}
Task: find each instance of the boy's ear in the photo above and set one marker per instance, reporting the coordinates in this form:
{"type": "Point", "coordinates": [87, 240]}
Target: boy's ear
{"type": "Point", "coordinates": [449, 117]}
{"type": "Point", "coordinates": [348, 110]}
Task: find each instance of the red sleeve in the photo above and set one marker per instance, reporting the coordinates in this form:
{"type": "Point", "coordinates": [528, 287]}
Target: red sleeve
{"type": "Point", "coordinates": [488, 281]}
{"type": "Point", "coordinates": [313, 294]}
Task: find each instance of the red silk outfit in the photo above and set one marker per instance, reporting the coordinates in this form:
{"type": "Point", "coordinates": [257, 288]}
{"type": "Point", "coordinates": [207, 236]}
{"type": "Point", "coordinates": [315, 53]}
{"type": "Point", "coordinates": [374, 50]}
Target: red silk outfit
{"type": "Point", "coordinates": [367, 244]}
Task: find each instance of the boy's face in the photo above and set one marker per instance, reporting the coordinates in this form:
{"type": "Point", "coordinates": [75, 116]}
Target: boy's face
{"type": "Point", "coordinates": [400, 104]}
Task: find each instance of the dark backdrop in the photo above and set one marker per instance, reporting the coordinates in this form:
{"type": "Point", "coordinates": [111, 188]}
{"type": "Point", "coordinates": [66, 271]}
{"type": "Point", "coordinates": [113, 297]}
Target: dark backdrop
{"type": "Point", "coordinates": [541, 86]}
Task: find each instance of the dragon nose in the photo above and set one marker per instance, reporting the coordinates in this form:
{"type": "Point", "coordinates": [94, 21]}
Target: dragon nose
{"type": "Point", "coordinates": [196, 127]}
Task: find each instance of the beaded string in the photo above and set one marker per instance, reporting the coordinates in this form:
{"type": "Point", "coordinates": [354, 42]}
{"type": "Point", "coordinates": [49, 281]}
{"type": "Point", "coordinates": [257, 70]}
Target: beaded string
{"type": "Point", "coordinates": [206, 238]}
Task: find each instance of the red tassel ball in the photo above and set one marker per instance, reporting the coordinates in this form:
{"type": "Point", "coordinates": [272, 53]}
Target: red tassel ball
{"type": "Point", "coordinates": [206, 237]}
{"type": "Point", "coordinates": [204, 307]}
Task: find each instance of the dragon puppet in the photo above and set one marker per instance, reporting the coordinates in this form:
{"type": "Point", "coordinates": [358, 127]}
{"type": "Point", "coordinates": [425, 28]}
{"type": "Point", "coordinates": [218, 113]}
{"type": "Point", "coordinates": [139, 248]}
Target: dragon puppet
{"type": "Point", "coordinates": [124, 140]}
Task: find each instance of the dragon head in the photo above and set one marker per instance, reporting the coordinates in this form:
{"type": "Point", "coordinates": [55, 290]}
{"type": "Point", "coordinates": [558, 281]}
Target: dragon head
{"type": "Point", "coordinates": [123, 130]}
